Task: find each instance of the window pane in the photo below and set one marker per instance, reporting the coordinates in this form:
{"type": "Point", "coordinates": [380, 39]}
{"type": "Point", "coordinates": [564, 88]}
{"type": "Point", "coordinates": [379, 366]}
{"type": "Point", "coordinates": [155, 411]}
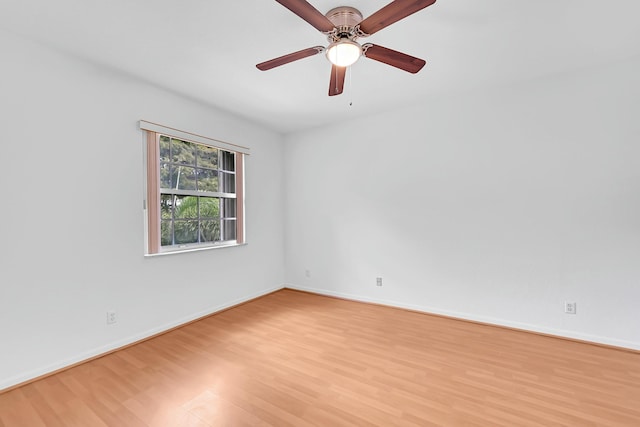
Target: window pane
{"type": "Point", "coordinates": [165, 153]}
{"type": "Point", "coordinates": [228, 182]}
{"type": "Point", "coordinates": [228, 161]}
{"type": "Point", "coordinates": [207, 180]}
{"type": "Point", "coordinates": [228, 208]}
{"type": "Point", "coordinates": [186, 207]}
{"type": "Point", "coordinates": [166, 206]}
{"type": "Point", "coordinates": [195, 169]}
{"type": "Point", "coordinates": [165, 175]}
{"type": "Point", "coordinates": [209, 207]}
{"type": "Point", "coordinates": [166, 233]}
{"type": "Point", "coordinates": [209, 231]}
{"type": "Point", "coordinates": [182, 152]}
{"type": "Point", "coordinates": [185, 232]}
{"type": "Point", "coordinates": [183, 178]}
{"type": "Point", "coordinates": [229, 229]}
{"type": "Point", "coordinates": [207, 157]}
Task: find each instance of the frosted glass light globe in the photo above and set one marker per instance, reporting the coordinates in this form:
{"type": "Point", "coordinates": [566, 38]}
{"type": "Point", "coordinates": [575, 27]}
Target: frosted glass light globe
{"type": "Point", "coordinates": [344, 53]}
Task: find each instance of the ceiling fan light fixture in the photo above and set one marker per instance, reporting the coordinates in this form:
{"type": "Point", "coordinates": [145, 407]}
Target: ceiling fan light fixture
{"type": "Point", "coordinates": [342, 26]}
{"type": "Point", "coordinates": [344, 52]}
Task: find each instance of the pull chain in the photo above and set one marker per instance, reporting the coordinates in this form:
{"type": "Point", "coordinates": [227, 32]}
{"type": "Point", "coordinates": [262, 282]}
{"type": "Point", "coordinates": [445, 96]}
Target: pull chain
{"type": "Point", "coordinates": [350, 86]}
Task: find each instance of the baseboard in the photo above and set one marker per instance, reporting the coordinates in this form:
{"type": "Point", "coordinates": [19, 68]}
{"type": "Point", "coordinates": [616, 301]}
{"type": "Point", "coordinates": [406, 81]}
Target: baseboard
{"type": "Point", "coordinates": [525, 327]}
{"type": "Point", "coordinates": [34, 375]}
{"type": "Point", "coordinates": [59, 366]}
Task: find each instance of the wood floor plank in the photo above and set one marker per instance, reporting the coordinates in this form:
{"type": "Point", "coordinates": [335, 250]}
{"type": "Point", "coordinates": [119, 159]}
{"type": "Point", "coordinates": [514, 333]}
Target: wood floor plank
{"type": "Point", "coordinates": [297, 359]}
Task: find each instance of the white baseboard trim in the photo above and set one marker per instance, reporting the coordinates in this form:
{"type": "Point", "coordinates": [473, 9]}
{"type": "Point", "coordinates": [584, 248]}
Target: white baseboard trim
{"type": "Point", "coordinates": [560, 333]}
{"type": "Point", "coordinates": [25, 377]}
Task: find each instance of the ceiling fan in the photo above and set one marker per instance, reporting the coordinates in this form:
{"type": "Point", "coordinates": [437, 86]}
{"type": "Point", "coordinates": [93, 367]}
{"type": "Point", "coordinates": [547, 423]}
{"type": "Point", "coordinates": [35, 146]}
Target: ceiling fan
{"type": "Point", "coordinates": [343, 26]}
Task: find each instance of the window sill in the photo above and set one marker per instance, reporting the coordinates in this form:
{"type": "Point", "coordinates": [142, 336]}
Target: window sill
{"type": "Point", "coordinates": [194, 249]}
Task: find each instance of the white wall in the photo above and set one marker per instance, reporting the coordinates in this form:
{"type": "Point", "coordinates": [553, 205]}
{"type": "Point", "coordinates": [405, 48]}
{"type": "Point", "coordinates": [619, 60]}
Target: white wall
{"type": "Point", "coordinates": [495, 206]}
{"type": "Point", "coordinates": [72, 222]}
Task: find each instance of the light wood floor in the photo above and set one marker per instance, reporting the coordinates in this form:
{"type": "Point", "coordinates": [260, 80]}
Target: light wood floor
{"type": "Point", "coordinates": [296, 359]}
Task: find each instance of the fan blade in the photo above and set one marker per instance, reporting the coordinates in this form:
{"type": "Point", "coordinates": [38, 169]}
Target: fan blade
{"type": "Point", "coordinates": [393, 57]}
{"type": "Point", "coordinates": [285, 59]}
{"type": "Point", "coordinates": [309, 13]}
{"type": "Point", "coordinates": [393, 12]}
{"type": "Point", "coordinates": [337, 80]}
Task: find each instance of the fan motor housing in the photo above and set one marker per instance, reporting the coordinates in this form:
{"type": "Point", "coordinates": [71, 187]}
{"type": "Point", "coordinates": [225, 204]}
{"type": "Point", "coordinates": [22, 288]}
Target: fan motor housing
{"type": "Point", "coordinates": [345, 18]}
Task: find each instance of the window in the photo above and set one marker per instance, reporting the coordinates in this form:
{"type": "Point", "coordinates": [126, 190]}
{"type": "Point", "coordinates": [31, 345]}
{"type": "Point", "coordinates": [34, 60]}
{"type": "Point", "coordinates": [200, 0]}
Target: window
{"type": "Point", "coordinates": [195, 196]}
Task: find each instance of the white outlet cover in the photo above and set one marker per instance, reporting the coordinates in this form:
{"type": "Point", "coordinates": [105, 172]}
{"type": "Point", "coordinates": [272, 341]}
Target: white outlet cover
{"type": "Point", "coordinates": [570, 307]}
{"type": "Point", "coordinates": [111, 317]}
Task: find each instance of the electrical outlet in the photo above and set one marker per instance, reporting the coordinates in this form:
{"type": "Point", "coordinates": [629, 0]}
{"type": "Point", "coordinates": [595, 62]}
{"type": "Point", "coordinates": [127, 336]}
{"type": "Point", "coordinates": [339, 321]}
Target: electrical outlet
{"type": "Point", "coordinates": [570, 307]}
{"type": "Point", "coordinates": [378, 281]}
{"type": "Point", "coordinates": [307, 274]}
{"type": "Point", "coordinates": [111, 317]}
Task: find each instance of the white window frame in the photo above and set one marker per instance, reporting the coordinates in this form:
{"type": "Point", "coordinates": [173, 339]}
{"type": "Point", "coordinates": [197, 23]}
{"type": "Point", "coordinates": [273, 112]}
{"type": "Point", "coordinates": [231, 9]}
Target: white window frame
{"type": "Point", "coordinates": [152, 195]}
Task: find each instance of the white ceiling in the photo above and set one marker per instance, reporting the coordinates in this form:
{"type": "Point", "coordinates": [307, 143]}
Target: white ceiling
{"type": "Point", "coordinates": [207, 50]}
